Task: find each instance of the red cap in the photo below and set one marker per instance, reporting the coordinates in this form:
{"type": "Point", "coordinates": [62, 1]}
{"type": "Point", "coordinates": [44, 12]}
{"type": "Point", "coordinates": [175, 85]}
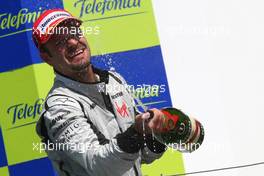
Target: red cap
{"type": "Point", "coordinates": [48, 21]}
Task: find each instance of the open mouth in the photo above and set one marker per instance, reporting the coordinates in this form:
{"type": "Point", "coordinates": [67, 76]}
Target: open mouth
{"type": "Point", "coordinates": [77, 52]}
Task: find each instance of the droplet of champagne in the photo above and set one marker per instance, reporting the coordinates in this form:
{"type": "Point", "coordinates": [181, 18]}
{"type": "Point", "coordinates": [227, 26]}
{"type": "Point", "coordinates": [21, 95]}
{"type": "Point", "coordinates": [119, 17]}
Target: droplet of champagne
{"type": "Point", "coordinates": [144, 133]}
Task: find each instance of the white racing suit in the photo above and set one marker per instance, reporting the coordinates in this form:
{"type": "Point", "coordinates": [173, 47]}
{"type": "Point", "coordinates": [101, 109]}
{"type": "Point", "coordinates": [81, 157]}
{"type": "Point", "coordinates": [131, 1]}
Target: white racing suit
{"type": "Point", "coordinates": [88, 128]}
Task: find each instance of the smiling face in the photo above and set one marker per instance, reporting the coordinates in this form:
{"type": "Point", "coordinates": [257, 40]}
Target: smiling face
{"type": "Point", "coordinates": [67, 51]}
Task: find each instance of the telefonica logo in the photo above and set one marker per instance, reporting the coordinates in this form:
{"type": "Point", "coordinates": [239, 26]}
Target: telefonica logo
{"type": "Point", "coordinates": [13, 21]}
{"type": "Point", "coordinates": [102, 6]}
{"type": "Point", "coordinates": [23, 111]}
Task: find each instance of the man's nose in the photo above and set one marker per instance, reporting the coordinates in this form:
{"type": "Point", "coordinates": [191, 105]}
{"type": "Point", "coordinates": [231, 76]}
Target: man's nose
{"type": "Point", "coordinates": [72, 41]}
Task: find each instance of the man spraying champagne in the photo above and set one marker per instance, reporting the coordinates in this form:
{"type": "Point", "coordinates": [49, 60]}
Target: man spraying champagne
{"type": "Point", "coordinates": [78, 111]}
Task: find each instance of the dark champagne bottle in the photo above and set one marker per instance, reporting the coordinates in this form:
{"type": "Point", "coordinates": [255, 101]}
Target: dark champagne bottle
{"type": "Point", "coordinates": [180, 132]}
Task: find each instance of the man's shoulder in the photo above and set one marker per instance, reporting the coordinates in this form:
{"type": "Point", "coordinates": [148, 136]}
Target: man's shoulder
{"type": "Point", "coordinates": [60, 96]}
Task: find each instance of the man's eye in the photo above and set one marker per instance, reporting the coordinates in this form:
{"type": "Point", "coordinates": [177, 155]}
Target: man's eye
{"type": "Point", "coordinates": [59, 43]}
